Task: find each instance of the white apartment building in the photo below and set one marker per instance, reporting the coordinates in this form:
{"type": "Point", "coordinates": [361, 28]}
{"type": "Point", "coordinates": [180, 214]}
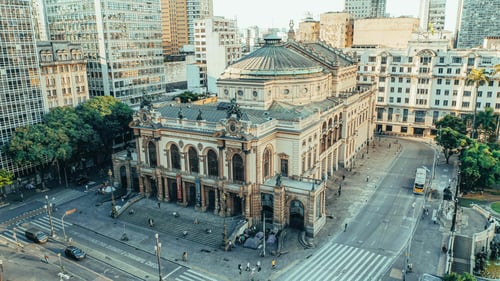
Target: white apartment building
{"type": "Point", "coordinates": [216, 45]}
{"type": "Point", "coordinates": [419, 85]}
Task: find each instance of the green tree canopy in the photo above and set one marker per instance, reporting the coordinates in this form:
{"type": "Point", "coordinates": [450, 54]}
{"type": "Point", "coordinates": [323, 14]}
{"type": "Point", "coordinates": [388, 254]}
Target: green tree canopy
{"type": "Point", "coordinates": [486, 124]}
{"type": "Point", "coordinates": [453, 276]}
{"type": "Point", "coordinates": [480, 166]}
{"type": "Point", "coordinates": [6, 178]}
{"type": "Point", "coordinates": [477, 77]}
{"type": "Point", "coordinates": [452, 122]}
{"type": "Point", "coordinates": [82, 136]}
{"type": "Point", "coordinates": [450, 141]}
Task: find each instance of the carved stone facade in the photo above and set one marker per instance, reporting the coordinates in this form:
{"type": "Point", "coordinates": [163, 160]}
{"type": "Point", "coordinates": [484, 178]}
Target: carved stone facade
{"type": "Point", "coordinates": [267, 148]}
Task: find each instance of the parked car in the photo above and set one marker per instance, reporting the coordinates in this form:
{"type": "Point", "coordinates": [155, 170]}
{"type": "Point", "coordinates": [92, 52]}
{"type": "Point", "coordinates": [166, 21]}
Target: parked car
{"type": "Point", "coordinates": [74, 253]}
{"type": "Point", "coordinates": [36, 235]}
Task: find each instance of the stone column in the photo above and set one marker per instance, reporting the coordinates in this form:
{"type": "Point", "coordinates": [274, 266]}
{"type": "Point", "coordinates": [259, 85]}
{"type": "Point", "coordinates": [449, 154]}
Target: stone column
{"type": "Point", "coordinates": [159, 187]}
{"type": "Point", "coordinates": [184, 195]}
{"type": "Point", "coordinates": [141, 185]}
{"type": "Point", "coordinates": [166, 187]}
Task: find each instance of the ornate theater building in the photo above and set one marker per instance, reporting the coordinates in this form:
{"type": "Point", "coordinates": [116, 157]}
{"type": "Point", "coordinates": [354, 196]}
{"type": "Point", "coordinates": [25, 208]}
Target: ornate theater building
{"type": "Point", "coordinates": [288, 116]}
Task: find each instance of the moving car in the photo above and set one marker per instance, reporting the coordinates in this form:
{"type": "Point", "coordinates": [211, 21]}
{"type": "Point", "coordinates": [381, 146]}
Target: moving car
{"type": "Point", "coordinates": [36, 235]}
{"type": "Point", "coordinates": [74, 253]}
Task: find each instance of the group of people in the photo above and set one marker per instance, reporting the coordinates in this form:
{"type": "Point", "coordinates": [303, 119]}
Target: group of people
{"type": "Point", "coordinates": [257, 267]}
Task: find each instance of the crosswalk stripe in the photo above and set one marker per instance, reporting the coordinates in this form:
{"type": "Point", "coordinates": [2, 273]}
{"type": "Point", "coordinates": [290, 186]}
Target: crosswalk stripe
{"type": "Point", "coordinates": [299, 272]}
{"type": "Point", "coordinates": [340, 262]}
{"type": "Point", "coordinates": [338, 265]}
{"type": "Point", "coordinates": [346, 264]}
{"type": "Point", "coordinates": [191, 275]}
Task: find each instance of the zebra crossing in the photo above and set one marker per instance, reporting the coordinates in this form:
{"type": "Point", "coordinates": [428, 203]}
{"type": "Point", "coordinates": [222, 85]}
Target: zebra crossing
{"type": "Point", "coordinates": [15, 234]}
{"type": "Point", "coordinates": [191, 275]}
{"type": "Point", "coordinates": [341, 262]}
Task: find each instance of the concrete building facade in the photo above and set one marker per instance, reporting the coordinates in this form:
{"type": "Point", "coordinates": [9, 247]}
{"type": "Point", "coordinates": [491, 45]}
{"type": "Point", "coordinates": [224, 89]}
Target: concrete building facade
{"type": "Point", "coordinates": [216, 45]}
{"type": "Point", "coordinates": [64, 74]}
{"type": "Point", "coordinates": [384, 32]}
{"type": "Point", "coordinates": [476, 21]}
{"type": "Point", "coordinates": [336, 29]}
{"type": "Point", "coordinates": [419, 85]}
{"type": "Point", "coordinates": [21, 99]}
{"type": "Point", "coordinates": [285, 120]}
{"type": "Point", "coordinates": [432, 15]}
{"type": "Point", "coordinates": [121, 41]}
{"type": "Point", "coordinates": [365, 8]}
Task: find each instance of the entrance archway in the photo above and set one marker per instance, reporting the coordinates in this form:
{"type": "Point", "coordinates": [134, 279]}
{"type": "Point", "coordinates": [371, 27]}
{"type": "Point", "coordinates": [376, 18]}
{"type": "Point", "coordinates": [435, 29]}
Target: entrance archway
{"type": "Point", "coordinates": [297, 215]}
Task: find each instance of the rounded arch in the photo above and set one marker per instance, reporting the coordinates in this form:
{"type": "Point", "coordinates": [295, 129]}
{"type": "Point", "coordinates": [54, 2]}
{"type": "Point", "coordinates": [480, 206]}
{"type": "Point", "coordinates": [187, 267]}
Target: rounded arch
{"type": "Point", "coordinates": [193, 160]}
{"type": "Point", "coordinates": [267, 162]}
{"type": "Point", "coordinates": [212, 162]}
{"type": "Point", "coordinates": [297, 214]}
{"type": "Point", "coordinates": [153, 160]}
{"type": "Point", "coordinates": [426, 53]}
{"type": "Point", "coordinates": [175, 157]}
{"type": "Point", "coordinates": [238, 168]}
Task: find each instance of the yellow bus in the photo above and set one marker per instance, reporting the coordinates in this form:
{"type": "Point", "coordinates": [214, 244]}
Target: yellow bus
{"type": "Point", "coordinates": [420, 179]}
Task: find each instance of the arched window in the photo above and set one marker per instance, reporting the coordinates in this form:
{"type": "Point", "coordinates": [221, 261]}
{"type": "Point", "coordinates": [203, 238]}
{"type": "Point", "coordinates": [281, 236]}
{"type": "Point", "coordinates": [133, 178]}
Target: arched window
{"type": "Point", "coordinates": [212, 163]}
{"type": "Point", "coordinates": [194, 163]}
{"type": "Point", "coordinates": [267, 163]}
{"type": "Point", "coordinates": [238, 168]}
{"type": "Point", "coordinates": [175, 157]}
{"type": "Point", "coordinates": [152, 154]}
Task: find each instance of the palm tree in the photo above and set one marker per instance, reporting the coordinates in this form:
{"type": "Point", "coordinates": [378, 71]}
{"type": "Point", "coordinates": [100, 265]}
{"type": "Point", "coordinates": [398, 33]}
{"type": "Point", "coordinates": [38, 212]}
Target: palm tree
{"type": "Point", "coordinates": [496, 69]}
{"type": "Point", "coordinates": [477, 77]}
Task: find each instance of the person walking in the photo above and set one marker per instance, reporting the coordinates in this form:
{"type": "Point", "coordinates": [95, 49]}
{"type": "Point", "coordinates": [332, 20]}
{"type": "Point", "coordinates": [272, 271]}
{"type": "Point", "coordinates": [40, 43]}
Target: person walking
{"type": "Point", "coordinates": [273, 264]}
{"type": "Point", "coordinates": [159, 205]}
{"type": "Point", "coordinates": [258, 266]}
{"type": "Point", "coordinates": [46, 257]}
{"type": "Point", "coordinates": [185, 257]}
{"type": "Point", "coordinates": [248, 267]}
{"type": "Point", "coordinates": [345, 227]}
{"type": "Point", "coordinates": [239, 268]}
{"type": "Point", "coordinates": [343, 177]}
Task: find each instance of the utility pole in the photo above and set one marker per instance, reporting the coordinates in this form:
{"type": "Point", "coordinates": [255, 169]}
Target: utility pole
{"type": "Point", "coordinates": [264, 230]}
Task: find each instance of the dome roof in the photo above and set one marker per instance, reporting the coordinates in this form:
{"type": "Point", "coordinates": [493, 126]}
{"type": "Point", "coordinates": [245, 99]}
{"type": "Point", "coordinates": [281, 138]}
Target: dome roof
{"type": "Point", "coordinates": [274, 59]}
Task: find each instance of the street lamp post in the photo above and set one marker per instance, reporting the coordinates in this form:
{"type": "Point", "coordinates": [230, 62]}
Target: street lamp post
{"type": "Point", "coordinates": [48, 207]}
{"type": "Point", "coordinates": [68, 212]}
{"type": "Point", "coordinates": [224, 234]}
{"type": "Point", "coordinates": [113, 202]}
{"type": "Point", "coordinates": [158, 250]}
{"type": "Point", "coordinates": [454, 220]}
{"type": "Point", "coordinates": [60, 263]}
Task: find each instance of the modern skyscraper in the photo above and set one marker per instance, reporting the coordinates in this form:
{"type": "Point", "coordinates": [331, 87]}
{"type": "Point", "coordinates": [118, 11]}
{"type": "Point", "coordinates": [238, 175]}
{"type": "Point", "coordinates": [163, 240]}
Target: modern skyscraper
{"type": "Point", "coordinates": [21, 101]}
{"type": "Point", "coordinates": [365, 8]}
{"type": "Point", "coordinates": [476, 21]}
{"type": "Point", "coordinates": [432, 14]}
{"type": "Point", "coordinates": [121, 40]}
{"type": "Point", "coordinates": [178, 18]}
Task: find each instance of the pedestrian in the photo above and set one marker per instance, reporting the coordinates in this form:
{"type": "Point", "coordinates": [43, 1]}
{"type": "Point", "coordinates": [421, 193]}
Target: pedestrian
{"type": "Point", "coordinates": [343, 177]}
{"type": "Point", "coordinates": [367, 178]}
{"type": "Point", "coordinates": [273, 264]}
{"type": "Point", "coordinates": [239, 268]}
{"type": "Point", "coordinates": [340, 191]}
{"type": "Point", "coordinates": [151, 222]}
{"type": "Point", "coordinates": [345, 227]}
{"type": "Point", "coordinates": [46, 257]}
{"type": "Point", "coordinates": [185, 257]}
{"type": "Point", "coordinates": [86, 188]}
{"type": "Point", "coordinates": [258, 266]}
{"type": "Point", "coordinates": [248, 267]}
{"type": "Point", "coordinates": [159, 205]}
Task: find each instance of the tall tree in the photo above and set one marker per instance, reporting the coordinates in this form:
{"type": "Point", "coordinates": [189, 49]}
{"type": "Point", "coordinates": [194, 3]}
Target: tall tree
{"type": "Point", "coordinates": [486, 125]}
{"type": "Point", "coordinates": [450, 141]}
{"type": "Point", "coordinates": [109, 117]}
{"type": "Point", "coordinates": [6, 178]}
{"type": "Point", "coordinates": [480, 166]}
{"type": "Point", "coordinates": [452, 122]}
{"type": "Point", "coordinates": [39, 145]}
{"type": "Point", "coordinates": [477, 77]}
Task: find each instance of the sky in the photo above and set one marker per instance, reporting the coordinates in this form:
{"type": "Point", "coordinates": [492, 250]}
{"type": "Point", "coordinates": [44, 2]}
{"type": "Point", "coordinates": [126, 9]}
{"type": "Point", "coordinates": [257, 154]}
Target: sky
{"type": "Point", "coordinates": [278, 13]}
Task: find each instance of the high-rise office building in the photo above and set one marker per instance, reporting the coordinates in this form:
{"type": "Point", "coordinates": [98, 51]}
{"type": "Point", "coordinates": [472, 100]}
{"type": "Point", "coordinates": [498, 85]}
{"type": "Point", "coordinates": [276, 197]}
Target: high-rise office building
{"type": "Point", "coordinates": [476, 21]}
{"type": "Point", "coordinates": [365, 8]}
{"type": "Point", "coordinates": [217, 45]}
{"type": "Point", "coordinates": [178, 18]}
{"type": "Point", "coordinates": [432, 14]}
{"type": "Point", "coordinates": [121, 41]}
{"type": "Point", "coordinates": [21, 101]}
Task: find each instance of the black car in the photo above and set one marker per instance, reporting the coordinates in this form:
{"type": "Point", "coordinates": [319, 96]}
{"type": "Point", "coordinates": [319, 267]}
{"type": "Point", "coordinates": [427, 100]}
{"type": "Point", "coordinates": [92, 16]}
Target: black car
{"type": "Point", "coordinates": [75, 253]}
